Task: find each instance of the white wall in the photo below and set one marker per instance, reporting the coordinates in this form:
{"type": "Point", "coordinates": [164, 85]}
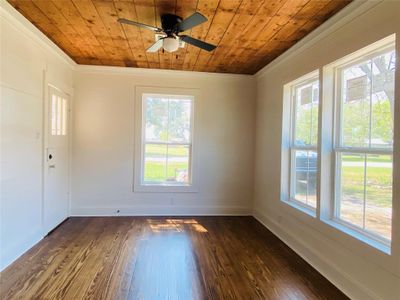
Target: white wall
{"type": "Point", "coordinates": [27, 59]}
{"type": "Point", "coordinates": [360, 270]}
{"type": "Point", "coordinates": [103, 143]}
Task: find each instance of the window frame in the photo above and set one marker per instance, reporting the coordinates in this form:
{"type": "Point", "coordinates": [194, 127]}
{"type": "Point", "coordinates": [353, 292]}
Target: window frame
{"type": "Point", "coordinates": [339, 149]}
{"type": "Point", "coordinates": [139, 185]}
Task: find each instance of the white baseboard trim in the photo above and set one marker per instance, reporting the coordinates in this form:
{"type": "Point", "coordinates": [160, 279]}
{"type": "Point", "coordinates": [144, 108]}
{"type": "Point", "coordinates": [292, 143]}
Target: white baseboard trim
{"type": "Point", "coordinates": [12, 254]}
{"type": "Point", "coordinates": [342, 281]}
{"type": "Point", "coordinates": [161, 211]}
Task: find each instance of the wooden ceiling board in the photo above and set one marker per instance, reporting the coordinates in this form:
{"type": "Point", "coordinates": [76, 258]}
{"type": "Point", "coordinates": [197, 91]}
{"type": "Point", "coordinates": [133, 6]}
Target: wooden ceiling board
{"type": "Point", "coordinates": [223, 17]}
{"type": "Point", "coordinates": [248, 33]}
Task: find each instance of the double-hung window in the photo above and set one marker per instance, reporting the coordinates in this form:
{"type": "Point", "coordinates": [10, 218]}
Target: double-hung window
{"type": "Point", "coordinates": [363, 147]}
{"type": "Point", "coordinates": [164, 122]}
{"type": "Point", "coordinates": [304, 94]}
{"type": "Point", "coordinates": [167, 139]}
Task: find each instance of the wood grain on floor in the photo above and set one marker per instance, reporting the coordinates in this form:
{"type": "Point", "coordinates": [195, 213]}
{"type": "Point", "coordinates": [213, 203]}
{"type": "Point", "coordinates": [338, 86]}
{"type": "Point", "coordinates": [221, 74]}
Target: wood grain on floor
{"type": "Point", "coordinates": [163, 258]}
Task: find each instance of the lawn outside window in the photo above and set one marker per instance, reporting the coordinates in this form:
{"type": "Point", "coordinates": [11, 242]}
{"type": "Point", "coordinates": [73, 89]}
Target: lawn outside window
{"type": "Point", "coordinates": [164, 138]}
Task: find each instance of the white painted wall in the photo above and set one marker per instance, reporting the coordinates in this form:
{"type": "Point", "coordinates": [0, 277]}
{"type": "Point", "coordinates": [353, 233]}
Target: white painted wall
{"type": "Point", "coordinates": [103, 143]}
{"type": "Point", "coordinates": [360, 270]}
{"type": "Point", "coordinates": [27, 58]}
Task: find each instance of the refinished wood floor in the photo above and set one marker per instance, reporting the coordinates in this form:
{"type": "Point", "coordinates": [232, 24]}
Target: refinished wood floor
{"type": "Point", "coordinates": [163, 258]}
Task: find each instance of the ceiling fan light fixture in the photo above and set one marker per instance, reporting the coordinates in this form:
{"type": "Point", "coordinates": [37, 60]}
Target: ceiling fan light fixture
{"type": "Point", "coordinates": [170, 44]}
{"type": "Point", "coordinates": [168, 37]}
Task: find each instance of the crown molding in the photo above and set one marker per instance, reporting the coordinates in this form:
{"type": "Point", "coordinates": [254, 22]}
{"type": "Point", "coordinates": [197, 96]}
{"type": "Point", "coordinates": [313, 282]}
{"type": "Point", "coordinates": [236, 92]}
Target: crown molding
{"type": "Point", "coordinates": [340, 19]}
{"type": "Point", "coordinates": [19, 22]}
{"type": "Point", "coordinates": [158, 72]}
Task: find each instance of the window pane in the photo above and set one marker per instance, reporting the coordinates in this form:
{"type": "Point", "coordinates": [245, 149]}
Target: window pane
{"type": "Point", "coordinates": [53, 114]}
{"type": "Point", "coordinates": [356, 105]}
{"type": "Point", "coordinates": [378, 211]}
{"type": "Point", "coordinates": [59, 115]}
{"type": "Point", "coordinates": [306, 109]}
{"type": "Point", "coordinates": [155, 163]}
{"type": "Point", "coordinates": [312, 179]}
{"type": "Point", "coordinates": [305, 177]}
{"type": "Point", "coordinates": [179, 121]}
{"type": "Point", "coordinates": [178, 164]}
{"type": "Point", "coordinates": [383, 100]}
{"type": "Point", "coordinates": [351, 204]}
{"type": "Point", "coordinates": [64, 117]}
{"type": "Point", "coordinates": [156, 119]}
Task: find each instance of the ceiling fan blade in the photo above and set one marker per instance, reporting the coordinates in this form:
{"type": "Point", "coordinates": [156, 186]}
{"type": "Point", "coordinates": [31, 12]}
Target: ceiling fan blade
{"type": "Point", "coordinates": [156, 46]}
{"type": "Point", "coordinates": [192, 21]}
{"type": "Point", "coordinates": [197, 43]}
{"type": "Point", "coordinates": [129, 22]}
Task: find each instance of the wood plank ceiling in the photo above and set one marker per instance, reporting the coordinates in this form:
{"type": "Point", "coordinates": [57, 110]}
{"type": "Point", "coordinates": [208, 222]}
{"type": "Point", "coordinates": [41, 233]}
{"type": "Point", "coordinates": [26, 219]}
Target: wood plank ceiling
{"type": "Point", "coordinates": [249, 33]}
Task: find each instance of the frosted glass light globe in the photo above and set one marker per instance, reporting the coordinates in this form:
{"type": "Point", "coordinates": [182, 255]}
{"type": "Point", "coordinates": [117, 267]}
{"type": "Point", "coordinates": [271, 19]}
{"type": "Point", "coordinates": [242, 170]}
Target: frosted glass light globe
{"type": "Point", "coordinates": [170, 44]}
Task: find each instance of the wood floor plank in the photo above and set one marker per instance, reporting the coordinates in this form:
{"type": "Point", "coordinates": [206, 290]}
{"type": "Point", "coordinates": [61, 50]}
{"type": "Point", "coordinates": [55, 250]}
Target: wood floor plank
{"type": "Point", "coordinates": [163, 258]}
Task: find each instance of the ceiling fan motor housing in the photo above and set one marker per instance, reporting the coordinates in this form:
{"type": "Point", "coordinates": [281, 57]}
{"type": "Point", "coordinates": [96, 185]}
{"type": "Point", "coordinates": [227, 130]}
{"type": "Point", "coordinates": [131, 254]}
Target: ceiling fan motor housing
{"type": "Point", "coordinates": [169, 22]}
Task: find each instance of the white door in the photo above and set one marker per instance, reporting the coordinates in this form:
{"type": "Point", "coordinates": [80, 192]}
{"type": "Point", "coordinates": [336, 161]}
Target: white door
{"type": "Point", "coordinates": [56, 199]}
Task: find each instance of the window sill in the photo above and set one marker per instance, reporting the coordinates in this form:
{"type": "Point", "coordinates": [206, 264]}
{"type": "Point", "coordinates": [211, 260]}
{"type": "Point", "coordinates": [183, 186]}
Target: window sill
{"type": "Point", "coordinates": [301, 207]}
{"type": "Point", "coordinates": [383, 247]}
{"type": "Point", "coordinates": [158, 188]}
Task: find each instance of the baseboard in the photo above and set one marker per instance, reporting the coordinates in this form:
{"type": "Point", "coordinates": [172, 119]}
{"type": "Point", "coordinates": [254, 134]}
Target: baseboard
{"type": "Point", "coordinates": [161, 211]}
{"type": "Point", "coordinates": [342, 281]}
{"type": "Point", "coordinates": [14, 253]}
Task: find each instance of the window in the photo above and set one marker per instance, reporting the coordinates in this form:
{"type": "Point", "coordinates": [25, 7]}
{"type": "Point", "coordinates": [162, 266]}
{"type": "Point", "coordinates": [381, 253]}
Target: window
{"type": "Point", "coordinates": [58, 115]}
{"type": "Point", "coordinates": [304, 96]}
{"type": "Point", "coordinates": [165, 156]}
{"type": "Point", "coordinates": [167, 146]}
{"type": "Point", "coordinates": [363, 146]}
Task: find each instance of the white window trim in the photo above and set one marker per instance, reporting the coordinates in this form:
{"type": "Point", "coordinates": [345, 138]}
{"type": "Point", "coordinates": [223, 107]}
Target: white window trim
{"type": "Point", "coordinates": [138, 185]}
{"type": "Point", "coordinates": [289, 146]}
{"type": "Point", "coordinates": [330, 146]}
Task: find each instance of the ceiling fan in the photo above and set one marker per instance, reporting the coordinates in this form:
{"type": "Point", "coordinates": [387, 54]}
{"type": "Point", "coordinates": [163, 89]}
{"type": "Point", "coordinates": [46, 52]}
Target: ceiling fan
{"type": "Point", "coordinates": [168, 36]}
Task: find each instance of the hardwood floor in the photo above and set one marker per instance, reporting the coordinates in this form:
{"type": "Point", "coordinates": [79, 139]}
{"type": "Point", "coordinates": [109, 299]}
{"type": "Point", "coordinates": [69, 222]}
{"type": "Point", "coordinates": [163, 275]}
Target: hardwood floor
{"type": "Point", "coordinates": [163, 258]}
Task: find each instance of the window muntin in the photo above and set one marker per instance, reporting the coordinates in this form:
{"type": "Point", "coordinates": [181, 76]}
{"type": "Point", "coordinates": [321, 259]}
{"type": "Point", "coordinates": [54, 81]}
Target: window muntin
{"type": "Point", "coordinates": [303, 144]}
{"type": "Point", "coordinates": [364, 144]}
{"type": "Point", "coordinates": [167, 140]}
